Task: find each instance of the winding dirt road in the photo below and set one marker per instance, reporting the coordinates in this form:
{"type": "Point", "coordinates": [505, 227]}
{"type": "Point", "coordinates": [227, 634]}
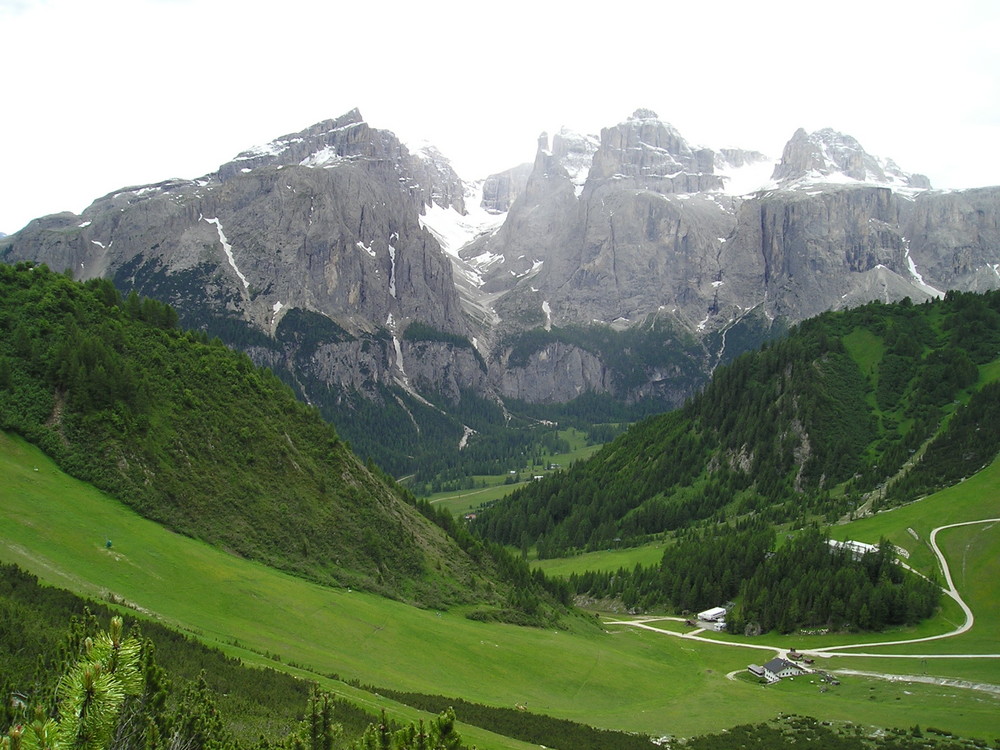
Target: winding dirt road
{"type": "Point", "coordinates": [828, 651]}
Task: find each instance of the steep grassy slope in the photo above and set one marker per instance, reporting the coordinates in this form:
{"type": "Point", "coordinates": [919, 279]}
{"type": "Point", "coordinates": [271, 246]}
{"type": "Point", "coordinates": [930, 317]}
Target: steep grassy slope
{"type": "Point", "coordinates": [845, 405]}
{"type": "Point", "coordinates": [195, 437]}
{"type": "Point", "coordinates": [618, 678]}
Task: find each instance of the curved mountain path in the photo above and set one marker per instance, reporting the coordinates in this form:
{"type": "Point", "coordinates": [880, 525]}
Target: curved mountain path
{"type": "Point", "coordinates": [951, 591]}
{"type": "Point", "coordinates": [828, 651]}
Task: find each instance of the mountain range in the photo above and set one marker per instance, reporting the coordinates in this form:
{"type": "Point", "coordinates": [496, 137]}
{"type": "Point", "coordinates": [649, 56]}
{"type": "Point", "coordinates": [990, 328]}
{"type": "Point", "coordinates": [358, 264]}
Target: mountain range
{"type": "Point", "coordinates": [404, 301]}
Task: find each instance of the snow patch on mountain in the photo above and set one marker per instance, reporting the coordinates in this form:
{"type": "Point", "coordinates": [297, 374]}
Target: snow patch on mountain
{"type": "Point", "coordinates": [228, 250]}
{"type": "Point", "coordinates": [453, 230]}
{"type": "Point", "coordinates": [748, 178]}
{"type": "Point", "coordinates": [274, 148]}
{"type": "Point", "coordinates": [392, 271]}
{"type": "Point", "coordinates": [326, 157]}
{"type": "Point", "coordinates": [918, 277]}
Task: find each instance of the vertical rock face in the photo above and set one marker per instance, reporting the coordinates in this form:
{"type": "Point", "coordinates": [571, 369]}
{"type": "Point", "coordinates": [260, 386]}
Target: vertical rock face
{"type": "Point", "coordinates": [555, 374]}
{"type": "Point", "coordinates": [501, 189]}
{"type": "Point", "coordinates": [650, 229]}
{"type": "Point", "coordinates": [954, 238]}
{"type": "Point", "coordinates": [609, 230]}
{"type": "Point", "coordinates": [538, 224]}
{"type": "Point", "coordinates": [815, 246]}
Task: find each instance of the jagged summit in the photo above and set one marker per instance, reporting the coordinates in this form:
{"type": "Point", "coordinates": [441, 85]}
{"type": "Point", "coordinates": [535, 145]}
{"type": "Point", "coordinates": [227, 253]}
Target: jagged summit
{"type": "Point", "coordinates": [827, 156]}
{"type": "Point", "coordinates": [653, 153]}
{"type": "Point", "coordinates": [349, 138]}
{"type": "Point", "coordinates": [318, 145]}
{"type": "Point", "coordinates": [644, 114]}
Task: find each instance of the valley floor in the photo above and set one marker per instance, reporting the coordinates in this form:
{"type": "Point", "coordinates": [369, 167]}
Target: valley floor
{"type": "Point", "coordinates": [626, 677]}
{"type": "Point", "coordinates": [845, 650]}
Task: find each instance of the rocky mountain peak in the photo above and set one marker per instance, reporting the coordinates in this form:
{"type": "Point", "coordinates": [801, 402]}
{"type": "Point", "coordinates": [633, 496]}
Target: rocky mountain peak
{"type": "Point", "coordinates": [653, 153]}
{"type": "Point", "coordinates": [322, 144]}
{"type": "Point", "coordinates": [340, 228]}
{"type": "Point", "coordinates": [830, 156]}
{"type": "Point", "coordinates": [348, 138]}
{"type": "Point", "coordinates": [644, 114]}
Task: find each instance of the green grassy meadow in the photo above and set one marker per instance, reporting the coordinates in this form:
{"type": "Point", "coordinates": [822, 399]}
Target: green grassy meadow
{"type": "Point", "coordinates": [616, 677]}
{"type": "Point", "coordinates": [492, 486]}
{"type": "Point", "coordinates": [612, 559]}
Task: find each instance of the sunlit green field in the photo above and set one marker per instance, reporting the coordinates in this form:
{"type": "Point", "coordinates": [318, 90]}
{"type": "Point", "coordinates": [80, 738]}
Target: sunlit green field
{"type": "Point", "coordinates": [492, 487]}
{"type": "Point", "coordinates": [612, 559]}
{"type": "Point", "coordinates": [610, 676]}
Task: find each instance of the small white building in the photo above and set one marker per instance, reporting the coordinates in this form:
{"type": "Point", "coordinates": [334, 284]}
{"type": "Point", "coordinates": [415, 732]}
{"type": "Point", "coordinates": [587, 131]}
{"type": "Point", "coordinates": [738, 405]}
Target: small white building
{"type": "Point", "coordinates": [778, 668]}
{"type": "Point", "coordinates": [712, 615]}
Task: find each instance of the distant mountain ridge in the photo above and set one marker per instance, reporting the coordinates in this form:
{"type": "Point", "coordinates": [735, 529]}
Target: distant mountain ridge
{"type": "Point", "coordinates": [533, 277]}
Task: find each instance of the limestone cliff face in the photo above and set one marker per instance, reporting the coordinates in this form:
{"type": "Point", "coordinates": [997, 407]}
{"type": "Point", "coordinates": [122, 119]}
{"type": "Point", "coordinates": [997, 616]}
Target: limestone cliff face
{"type": "Point", "coordinates": [500, 190]}
{"type": "Point", "coordinates": [556, 374]}
{"type": "Point", "coordinates": [954, 238]}
{"type": "Point", "coordinates": [815, 249]}
{"type": "Point", "coordinates": [436, 367]}
{"type": "Point", "coordinates": [325, 221]}
{"type": "Point", "coordinates": [651, 230]}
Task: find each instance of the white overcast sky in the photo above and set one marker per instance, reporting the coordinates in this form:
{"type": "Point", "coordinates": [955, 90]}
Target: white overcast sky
{"type": "Point", "coordinates": [102, 94]}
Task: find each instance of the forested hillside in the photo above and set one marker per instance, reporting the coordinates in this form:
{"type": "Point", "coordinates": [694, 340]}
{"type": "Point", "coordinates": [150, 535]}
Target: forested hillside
{"type": "Point", "coordinates": [866, 404]}
{"type": "Point", "coordinates": [194, 436]}
{"type": "Point", "coordinates": [805, 583]}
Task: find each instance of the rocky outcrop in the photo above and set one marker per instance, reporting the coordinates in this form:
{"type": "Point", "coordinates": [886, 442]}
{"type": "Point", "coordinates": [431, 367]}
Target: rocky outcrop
{"type": "Point", "coordinates": [555, 374]}
{"type": "Point", "coordinates": [436, 367]}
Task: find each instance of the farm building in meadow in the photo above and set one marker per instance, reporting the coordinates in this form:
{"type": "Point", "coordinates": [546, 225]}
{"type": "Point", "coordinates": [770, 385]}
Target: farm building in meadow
{"type": "Point", "coordinates": [778, 668]}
